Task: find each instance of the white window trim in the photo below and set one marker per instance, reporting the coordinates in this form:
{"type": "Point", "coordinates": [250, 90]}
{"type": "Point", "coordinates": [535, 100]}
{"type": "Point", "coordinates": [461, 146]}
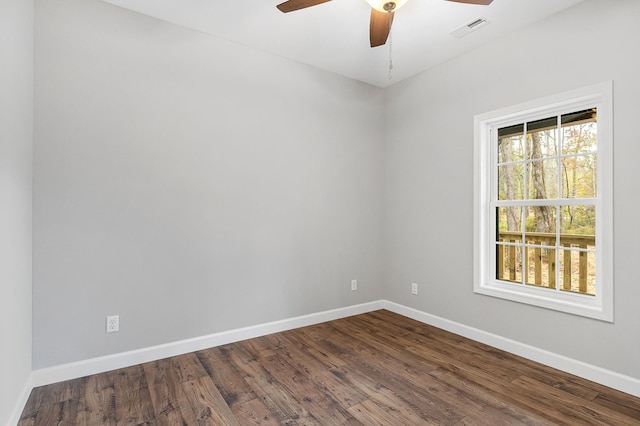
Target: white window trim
{"type": "Point", "coordinates": [599, 306]}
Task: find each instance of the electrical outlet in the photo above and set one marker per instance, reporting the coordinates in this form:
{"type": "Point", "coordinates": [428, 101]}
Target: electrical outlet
{"type": "Point", "coordinates": [414, 288]}
{"type": "Point", "coordinates": [113, 323]}
{"type": "Point", "coordinates": [354, 285]}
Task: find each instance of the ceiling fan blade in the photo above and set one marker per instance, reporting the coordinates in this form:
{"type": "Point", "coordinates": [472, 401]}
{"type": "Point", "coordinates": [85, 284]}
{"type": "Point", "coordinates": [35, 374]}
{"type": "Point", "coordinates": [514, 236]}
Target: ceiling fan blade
{"type": "Point", "coordinates": [379, 27]}
{"type": "Point", "coordinates": [291, 5]}
{"type": "Point", "coordinates": [482, 2]}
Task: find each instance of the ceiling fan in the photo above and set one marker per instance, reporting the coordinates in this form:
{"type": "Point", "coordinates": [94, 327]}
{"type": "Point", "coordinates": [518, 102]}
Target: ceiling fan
{"type": "Point", "coordinates": [382, 12]}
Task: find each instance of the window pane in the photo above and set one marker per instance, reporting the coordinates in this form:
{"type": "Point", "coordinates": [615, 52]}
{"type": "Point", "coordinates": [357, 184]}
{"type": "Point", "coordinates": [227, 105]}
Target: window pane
{"type": "Point", "coordinates": [541, 267]}
{"type": "Point", "coordinates": [517, 129]}
{"type": "Point", "coordinates": [578, 271]}
{"type": "Point", "coordinates": [509, 263]}
{"type": "Point", "coordinates": [541, 138]}
{"type": "Point", "coordinates": [578, 226]}
{"type": "Point", "coordinates": [508, 258]}
{"type": "Point", "coordinates": [579, 176]}
{"type": "Point", "coordinates": [541, 226]}
{"type": "Point", "coordinates": [543, 179]}
{"type": "Point", "coordinates": [579, 132]}
{"type": "Point", "coordinates": [509, 223]}
{"type": "Point", "coordinates": [511, 148]}
{"type": "Point", "coordinates": [577, 230]}
{"type": "Point", "coordinates": [511, 182]}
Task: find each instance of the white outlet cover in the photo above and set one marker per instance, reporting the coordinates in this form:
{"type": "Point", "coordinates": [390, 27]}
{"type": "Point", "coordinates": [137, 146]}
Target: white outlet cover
{"type": "Point", "coordinates": [113, 323]}
{"type": "Point", "coordinates": [354, 285]}
{"type": "Point", "coordinates": [414, 288]}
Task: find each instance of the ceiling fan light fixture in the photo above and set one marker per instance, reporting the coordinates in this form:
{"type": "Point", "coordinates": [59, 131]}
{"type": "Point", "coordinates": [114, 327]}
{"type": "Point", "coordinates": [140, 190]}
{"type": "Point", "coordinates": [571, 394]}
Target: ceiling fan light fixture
{"type": "Point", "coordinates": [386, 6]}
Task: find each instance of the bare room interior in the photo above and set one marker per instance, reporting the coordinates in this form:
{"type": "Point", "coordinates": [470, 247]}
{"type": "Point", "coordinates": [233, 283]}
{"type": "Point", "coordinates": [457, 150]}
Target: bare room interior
{"type": "Point", "coordinates": [299, 218]}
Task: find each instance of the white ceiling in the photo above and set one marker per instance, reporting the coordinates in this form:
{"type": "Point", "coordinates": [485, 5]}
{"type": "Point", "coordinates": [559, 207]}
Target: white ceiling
{"type": "Point", "coordinates": [334, 36]}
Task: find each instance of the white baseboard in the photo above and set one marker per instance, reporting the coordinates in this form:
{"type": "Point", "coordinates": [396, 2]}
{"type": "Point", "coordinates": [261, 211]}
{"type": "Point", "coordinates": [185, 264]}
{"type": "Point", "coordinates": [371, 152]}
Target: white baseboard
{"type": "Point", "coordinates": [83, 368]}
{"type": "Point", "coordinates": [87, 367]}
{"type": "Point", "coordinates": [596, 374]}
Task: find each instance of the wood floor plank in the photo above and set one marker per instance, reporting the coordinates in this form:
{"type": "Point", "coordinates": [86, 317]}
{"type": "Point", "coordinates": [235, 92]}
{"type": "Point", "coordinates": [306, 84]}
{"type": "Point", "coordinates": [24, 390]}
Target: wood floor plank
{"type": "Point", "coordinates": [280, 401]}
{"type": "Point", "coordinates": [52, 394]}
{"type": "Point", "coordinates": [261, 347]}
{"type": "Point", "coordinates": [482, 358]}
{"type": "Point", "coordinates": [374, 368]}
{"type": "Point", "coordinates": [456, 348]}
{"type": "Point", "coordinates": [511, 394]}
{"type": "Point", "coordinates": [370, 413]}
{"type": "Point", "coordinates": [254, 412]}
{"type": "Point", "coordinates": [96, 405]}
{"type": "Point", "coordinates": [369, 361]}
{"type": "Point", "coordinates": [620, 403]}
{"type": "Point", "coordinates": [571, 405]}
{"type": "Point", "coordinates": [206, 404]}
{"type": "Point", "coordinates": [389, 400]}
{"type": "Point", "coordinates": [329, 358]}
{"type": "Point", "coordinates": [548, 375]}
{"type": "Point", "coordinates": [187, 367]}
{"type": "Point", "coordinates": [310, 363]}
{"type": "Point", "coordinates": [413, 371]}
{"type": "Point", "coordinates": [512, 412]}
{"type": "Point", "coordinates": [167, 395]}
{"type": "Point", "coordinates": [133, 400]}
{"type": "Point", "coordinates": [395, 353]}
{"type": "Point", "coordinates": [61, 413]}
{"type": "Point", "coordinates": [314, 399]}
{"type": "Point", "coordinates": [367, 376]}
{"type": "Point", "coordinates": [230, 380]}
{"type": "Point", "coordinates": [329, 352]}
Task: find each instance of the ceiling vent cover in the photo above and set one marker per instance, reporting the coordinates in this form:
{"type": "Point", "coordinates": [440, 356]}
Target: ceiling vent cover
{"type": "Point", "coordinates": [469, 27]}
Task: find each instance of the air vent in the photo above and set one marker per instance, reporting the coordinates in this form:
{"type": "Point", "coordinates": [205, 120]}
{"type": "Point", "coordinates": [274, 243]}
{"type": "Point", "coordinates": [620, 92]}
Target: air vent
{"type": "Point", "coordinates": [469, 27]}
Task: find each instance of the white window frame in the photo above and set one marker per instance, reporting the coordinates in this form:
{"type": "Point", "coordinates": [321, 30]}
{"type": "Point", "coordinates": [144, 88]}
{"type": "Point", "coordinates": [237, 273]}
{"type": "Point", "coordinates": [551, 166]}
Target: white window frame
{"type": "Point", "coordinates": [486, 125]}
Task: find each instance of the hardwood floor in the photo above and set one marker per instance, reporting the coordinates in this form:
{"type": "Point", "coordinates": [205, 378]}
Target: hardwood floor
{"type": "Point", "coordinates": [378, 368]}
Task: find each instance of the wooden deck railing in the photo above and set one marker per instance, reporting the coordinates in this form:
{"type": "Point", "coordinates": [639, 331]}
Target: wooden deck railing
{"type": "Point", "coordinates": [548, 239]}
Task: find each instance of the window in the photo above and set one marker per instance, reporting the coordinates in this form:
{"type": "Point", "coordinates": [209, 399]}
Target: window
{"type": "Point", "coordinates": [543, 201]}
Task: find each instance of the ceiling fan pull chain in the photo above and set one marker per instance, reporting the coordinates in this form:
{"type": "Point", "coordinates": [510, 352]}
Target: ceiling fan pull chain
{"type": "Point", "coordinates": [390, 76]}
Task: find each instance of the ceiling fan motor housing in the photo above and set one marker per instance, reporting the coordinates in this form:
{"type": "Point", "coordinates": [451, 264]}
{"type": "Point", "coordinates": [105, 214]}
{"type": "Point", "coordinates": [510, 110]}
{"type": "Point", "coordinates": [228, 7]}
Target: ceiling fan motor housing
{"type": "Point", "coordinates": [386, 5]}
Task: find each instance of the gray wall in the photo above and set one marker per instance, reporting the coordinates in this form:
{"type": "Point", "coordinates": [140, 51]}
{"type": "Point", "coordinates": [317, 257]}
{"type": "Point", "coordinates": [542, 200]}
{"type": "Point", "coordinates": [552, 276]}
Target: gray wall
{"type": "Point", "coordinates": [16, 145]}
{"type": "Point", "coordinates": [191, 185]}
{"type": "Point", "coordinates": [429, 176]}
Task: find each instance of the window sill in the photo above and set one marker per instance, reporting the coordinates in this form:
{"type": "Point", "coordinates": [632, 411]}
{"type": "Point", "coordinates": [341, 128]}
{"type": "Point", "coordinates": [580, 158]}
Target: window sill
{"type": "Point", "coordinates": [572, 303]}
